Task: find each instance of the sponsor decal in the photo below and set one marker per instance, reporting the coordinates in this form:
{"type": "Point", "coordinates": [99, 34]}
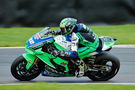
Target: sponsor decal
{"type": "Point", "coordinates": [63, 63]}
{"type": "Point", "coordinates": [37, 36]}
{"type": "Point", "coordinates": [67, 53]}
{"type": "Point", "coordinates": [30, 61]}
{"type": "Point", "coordinates": [31, 41]}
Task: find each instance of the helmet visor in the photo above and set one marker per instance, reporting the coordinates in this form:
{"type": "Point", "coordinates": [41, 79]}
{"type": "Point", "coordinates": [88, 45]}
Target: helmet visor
{"type": "Point", "coordinates": [63, 30]}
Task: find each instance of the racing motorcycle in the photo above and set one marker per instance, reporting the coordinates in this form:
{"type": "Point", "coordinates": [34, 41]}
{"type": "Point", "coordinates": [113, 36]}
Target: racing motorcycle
{"type": "Point", "coordinates": [101, 66]}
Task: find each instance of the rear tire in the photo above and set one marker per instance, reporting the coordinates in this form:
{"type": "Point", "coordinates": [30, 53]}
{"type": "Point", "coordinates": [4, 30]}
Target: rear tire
{"type": "Point", "coordinates": [103, 59]}
{"type": "Point", "coordinates": [18, 70]}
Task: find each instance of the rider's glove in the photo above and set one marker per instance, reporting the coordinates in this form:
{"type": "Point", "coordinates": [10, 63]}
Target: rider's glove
{"type": "Point", "coordinates": [72, 54]}
{"type": "Point", "coordinates": [58, 53]}
{"type": "Point", "coordinates": [50, 32]}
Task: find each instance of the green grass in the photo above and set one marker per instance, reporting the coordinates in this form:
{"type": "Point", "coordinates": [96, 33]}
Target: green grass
{"type": "Point", "coordinates": [17, 36]}
{"type": "Point", "coordinates": [56, 86]}
{"type": "Point", "coordinates": [124, 33]}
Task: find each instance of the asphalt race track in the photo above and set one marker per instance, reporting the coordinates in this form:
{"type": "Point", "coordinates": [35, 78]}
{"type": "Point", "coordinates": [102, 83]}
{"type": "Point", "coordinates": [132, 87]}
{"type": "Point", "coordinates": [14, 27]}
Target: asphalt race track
{"type": "Point", "coordinates": [125, 75]}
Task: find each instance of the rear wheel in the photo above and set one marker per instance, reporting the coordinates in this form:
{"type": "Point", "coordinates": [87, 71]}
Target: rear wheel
{"type": "Point", "coordinates": [107, 67]}
{"type": "Point", "coordinates": [18, 70]}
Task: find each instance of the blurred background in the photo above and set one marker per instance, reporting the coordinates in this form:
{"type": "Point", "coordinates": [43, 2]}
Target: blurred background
{"type": "Point", "coordinates": [37, 13]}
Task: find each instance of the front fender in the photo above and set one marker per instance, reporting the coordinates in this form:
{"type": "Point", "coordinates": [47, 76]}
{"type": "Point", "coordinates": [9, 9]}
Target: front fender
{"type": "Point", "coordinates": [30, 60]}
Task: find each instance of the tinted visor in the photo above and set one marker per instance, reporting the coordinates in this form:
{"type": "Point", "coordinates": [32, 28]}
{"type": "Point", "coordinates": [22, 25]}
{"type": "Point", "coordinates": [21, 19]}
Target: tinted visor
{"type": "Point", "coordinates": [63, 30]}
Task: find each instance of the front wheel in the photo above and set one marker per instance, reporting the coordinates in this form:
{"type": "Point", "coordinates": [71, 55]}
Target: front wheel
{"type": "Point", "coordinates": [107, 67]}
{"type": "Point", "coordinates": [18, 70]}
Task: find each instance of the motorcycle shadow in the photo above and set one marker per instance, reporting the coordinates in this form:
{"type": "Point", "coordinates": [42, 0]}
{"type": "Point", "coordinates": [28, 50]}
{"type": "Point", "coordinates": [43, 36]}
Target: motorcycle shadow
{"type": "Point", "coordinates": [66, 80]}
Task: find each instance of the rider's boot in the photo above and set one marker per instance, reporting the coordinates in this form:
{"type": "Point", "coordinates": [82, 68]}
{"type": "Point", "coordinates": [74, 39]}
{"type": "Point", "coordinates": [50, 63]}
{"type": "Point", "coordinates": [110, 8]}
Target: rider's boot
{"type": "Point", "coordinates": [80, 71]}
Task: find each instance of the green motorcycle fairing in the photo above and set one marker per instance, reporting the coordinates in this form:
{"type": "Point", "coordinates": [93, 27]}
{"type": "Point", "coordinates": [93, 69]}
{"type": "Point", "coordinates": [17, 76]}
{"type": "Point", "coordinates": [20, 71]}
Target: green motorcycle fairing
{"type": "Point", "coordinates": [107, 42]}
{"type": "Point", "coordinates": [32, 55]}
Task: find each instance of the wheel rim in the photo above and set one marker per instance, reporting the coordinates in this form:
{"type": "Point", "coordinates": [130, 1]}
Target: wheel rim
{"type": "Point", "coordinates": [110, 70]}
{"type": "Point", "coordinates": [21, 70]}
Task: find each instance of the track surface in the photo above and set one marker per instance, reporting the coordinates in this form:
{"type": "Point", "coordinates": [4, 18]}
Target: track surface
{"type": "Point", "coordinates": [125, 75]}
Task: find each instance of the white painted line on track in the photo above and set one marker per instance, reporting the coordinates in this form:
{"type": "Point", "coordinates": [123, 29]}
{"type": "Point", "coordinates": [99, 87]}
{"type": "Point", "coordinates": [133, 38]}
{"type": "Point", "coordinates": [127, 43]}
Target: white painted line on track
{"type": "Point", "coordinates": [17, 84]}
{"type": "Point", "coordinates": [115, 46]}
{"type": "Point", "coordinates": [11, 47]}
{"type": "Point", "coordinates": [11, 84]}
{"type": "Point", "coordinates": [107, 83]}
{"type": "Point", "coordinates": [124, 46]}
{"type": "Point", "coordinates": [74, 83]}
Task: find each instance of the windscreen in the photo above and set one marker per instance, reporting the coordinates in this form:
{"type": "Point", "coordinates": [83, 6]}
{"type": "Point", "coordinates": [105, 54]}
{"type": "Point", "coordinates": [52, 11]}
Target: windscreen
{"type": "Point", "coordinates": [39, 38]}
{"type": "Point", "coordinates": [43, 33]}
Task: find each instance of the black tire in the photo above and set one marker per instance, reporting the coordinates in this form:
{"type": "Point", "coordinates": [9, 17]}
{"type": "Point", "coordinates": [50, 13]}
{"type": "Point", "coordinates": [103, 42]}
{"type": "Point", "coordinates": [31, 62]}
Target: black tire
{"type": "Point", "coordinates": [18, 70]}
{"type": "Point", "coordinates": [102, 60]}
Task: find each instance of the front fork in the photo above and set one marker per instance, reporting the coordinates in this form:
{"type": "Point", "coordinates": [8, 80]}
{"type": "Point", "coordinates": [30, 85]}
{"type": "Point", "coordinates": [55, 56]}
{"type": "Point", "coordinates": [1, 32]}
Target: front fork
{"type": "Point", "coordinates": [31, 60]}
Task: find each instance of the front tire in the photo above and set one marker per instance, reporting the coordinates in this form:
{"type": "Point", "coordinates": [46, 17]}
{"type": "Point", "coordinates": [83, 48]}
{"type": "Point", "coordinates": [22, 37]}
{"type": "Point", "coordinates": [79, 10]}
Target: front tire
{"type": "Point", "coordinates": [18, 70]}
{"type": "Point", "coordinates": [105, 59]}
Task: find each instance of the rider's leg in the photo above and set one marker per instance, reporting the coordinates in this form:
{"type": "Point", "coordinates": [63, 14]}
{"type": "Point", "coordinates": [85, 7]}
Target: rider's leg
{"type": "Point", "coordinates": [74, 55]}
{"type": "Point", "coordinates": [83, 52]}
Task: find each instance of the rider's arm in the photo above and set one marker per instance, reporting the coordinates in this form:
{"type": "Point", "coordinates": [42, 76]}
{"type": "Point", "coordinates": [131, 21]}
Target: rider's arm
{"type": "Point", "coordinates": [76, 54]}
{"type": "Point", "coordinates": [82, 28]}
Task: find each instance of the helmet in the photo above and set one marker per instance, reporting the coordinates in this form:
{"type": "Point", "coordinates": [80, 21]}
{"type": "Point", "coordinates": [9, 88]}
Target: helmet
{"type": "Point", "coordinates": [67, 25]}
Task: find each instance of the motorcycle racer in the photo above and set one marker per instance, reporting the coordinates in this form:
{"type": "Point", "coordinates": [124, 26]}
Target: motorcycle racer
{"type": "Point", "coordinates": [77, 51]}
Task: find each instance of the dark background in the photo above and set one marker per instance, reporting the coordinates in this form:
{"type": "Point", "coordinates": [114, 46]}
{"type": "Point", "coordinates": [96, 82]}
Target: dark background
{"type": "Point", "coordinates": [50, 12]}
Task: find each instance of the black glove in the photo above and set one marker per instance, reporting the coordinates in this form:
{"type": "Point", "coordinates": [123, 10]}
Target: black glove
{"type": "Point", "coordinates": [48, 32]}
{"type": "Point", "coordinates": [58, 53]}
{"type": "Point", "coordinates": [51, 32]}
